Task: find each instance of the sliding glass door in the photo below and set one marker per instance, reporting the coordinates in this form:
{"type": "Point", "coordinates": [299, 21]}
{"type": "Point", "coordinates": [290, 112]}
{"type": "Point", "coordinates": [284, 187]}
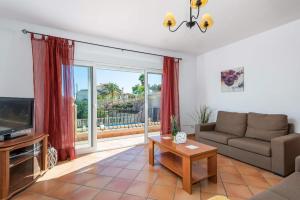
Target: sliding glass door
{"type": "Point", "coordinates": [115, 107]}
{"type": "Point", "coordinates": [83, 107]}
{"type": "Point", "coordinates": [120, 107]}
{"type": "Point", "coordinates": [154, 95]}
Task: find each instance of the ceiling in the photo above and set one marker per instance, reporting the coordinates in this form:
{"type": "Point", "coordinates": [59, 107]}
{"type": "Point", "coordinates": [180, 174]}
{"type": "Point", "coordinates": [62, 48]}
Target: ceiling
{"type": "Point", "coordinates": [140, 21]}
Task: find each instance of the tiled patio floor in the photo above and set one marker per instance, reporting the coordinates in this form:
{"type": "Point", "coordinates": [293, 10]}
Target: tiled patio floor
{"type": "Point", "coordinates": [125, 174]}
{"type": "Point", "coordinates": [117, 142]}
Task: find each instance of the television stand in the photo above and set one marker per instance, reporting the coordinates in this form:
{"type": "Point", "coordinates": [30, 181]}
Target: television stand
{"type": "Point", "coordinates": [22, 161]}
{"type": "Point", "coordinates": [12, 136]}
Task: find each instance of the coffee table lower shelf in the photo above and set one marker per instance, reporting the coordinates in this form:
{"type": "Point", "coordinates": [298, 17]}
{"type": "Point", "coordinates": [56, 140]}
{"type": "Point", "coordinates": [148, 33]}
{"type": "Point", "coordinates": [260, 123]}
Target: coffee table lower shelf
{"type": "Point", "coordinates": [174, 163]}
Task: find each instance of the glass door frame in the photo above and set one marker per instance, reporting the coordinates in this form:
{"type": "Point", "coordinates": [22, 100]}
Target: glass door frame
{"type": "Point", "coordinates": [147, 72]}
{"type": "Point", "coordinates": [94, 66]}
{"type": "Point", "coordinates": [93, 107]}
{"type": "Point", "coordinates": [91, 111]}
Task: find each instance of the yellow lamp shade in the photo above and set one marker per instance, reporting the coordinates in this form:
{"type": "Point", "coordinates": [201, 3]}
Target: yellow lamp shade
{"type": "Point", "coordinates": [206, 21]}
{"type": "Point", "coordinates": [196, 3]}
{"type": "Point", "coordinates": [169, 20]}
{"type": "Point", "coordinates": [203, 3]}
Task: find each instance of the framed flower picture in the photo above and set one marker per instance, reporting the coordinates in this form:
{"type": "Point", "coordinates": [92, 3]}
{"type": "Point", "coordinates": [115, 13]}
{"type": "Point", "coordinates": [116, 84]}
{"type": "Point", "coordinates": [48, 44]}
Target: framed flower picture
{"type": "Point", "coordinates": [232, 80]}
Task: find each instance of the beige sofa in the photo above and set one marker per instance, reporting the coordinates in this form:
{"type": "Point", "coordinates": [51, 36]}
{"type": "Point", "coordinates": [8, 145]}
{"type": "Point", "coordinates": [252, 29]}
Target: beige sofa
{"type": "Point", "coordinates": [262, 140]}
{"type": "Point", "coordinates": [288, 189]}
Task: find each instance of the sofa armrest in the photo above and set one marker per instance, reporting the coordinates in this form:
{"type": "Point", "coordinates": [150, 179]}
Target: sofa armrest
{"type": "Point", "coordinates": [284, 151]}
{"type": "Point", "coordinates": [297, 166]}
{"type": "Point", "coordinates": [205, 127]}
{"type": "Point", "coordinates": [291, 128]}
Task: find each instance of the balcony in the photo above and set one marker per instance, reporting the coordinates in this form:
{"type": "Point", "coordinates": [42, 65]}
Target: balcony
{"type": "Point", "coordinates": [119, 122]}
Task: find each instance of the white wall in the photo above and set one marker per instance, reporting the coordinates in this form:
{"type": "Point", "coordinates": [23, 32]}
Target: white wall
{"type": "Point", "coordinates": [272, 74]}
{"type": "Point", "coordinates": [15, 64]}
{"type": "Point", "coordinates": [16, 79]}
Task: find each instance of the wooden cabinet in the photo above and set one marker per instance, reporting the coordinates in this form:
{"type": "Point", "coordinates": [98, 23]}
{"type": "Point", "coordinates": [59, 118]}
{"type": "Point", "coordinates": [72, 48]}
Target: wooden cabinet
{"type": "Point", "coordinates": [22, 161]}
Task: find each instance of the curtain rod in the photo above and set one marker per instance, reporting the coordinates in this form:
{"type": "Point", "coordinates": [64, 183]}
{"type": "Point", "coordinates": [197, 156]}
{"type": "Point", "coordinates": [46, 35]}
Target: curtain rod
{"type": "Point", "coordinates": [101, 45]}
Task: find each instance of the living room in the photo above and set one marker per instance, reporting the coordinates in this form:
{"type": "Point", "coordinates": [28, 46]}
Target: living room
{"type": "Point", "coordinates": [131, 83]}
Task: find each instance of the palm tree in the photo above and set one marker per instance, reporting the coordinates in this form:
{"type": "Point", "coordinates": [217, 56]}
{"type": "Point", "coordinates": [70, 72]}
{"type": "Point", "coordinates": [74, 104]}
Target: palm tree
{"type": "Point", "coordinates": [139, 89]}
{"type": "Point", "coordinates": [113, 90]}
{"type": "Point", "coordinates": [142, 79]}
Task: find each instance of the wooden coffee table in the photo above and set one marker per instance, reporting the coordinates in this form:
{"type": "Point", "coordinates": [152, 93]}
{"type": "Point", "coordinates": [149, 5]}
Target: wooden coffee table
{"type": "Point", "coordinates": [179, 159]}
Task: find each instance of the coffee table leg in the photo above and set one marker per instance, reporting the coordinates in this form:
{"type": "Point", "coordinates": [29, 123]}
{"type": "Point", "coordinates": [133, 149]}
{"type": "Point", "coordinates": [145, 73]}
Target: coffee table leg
{"type": "Point", "coordinates": [212, 168]}
{"type": "Point", "coordinates": [187, 174]}
{"type": "Point", "coordinates": [151, 152]}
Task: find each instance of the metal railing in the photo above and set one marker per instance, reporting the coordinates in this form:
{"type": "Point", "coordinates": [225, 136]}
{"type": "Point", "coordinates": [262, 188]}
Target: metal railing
{"type": "Point", "coordinates": [119, 118]}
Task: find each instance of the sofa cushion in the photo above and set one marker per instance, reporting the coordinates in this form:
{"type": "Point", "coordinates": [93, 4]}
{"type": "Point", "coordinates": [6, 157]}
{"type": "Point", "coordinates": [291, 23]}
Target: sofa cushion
{"type": "Point", "coordinates": [289, 187]}
{"type": "Point", "coordinates": [232, 123]}
{"type": "Point", "coordinates": [252, 145]}
{"type": "Point", "coordinates": [266, 127]}
{"type": "Point", "coordinates": [216, 136]}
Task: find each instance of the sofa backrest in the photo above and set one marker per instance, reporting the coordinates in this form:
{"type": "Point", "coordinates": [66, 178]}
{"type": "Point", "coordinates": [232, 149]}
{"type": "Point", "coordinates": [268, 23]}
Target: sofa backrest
{"type": "Point", "coordinates": [232, 123]}
{"type": "Point", "coordinates": [266, 126]}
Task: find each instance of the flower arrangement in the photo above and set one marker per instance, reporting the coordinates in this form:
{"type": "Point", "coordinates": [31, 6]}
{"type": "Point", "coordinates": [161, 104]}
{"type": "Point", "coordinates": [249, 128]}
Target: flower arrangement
{"type": "Point", "coordinates": [174, 126]}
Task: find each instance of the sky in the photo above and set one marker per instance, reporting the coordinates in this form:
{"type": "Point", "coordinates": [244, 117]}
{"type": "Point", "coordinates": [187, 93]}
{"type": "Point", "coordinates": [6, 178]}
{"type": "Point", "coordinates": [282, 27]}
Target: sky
{"type": "Point", "coordinates": [125, 80]}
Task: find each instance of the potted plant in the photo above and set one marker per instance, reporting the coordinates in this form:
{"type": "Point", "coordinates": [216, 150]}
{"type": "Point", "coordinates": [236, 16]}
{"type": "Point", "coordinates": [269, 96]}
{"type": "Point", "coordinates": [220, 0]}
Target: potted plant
{"type": "Point", "coordinates": [202, 116]}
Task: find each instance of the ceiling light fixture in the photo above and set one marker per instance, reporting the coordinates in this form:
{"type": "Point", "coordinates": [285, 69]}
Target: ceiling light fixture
{"type": "Point", "coordinates": [203, 24]}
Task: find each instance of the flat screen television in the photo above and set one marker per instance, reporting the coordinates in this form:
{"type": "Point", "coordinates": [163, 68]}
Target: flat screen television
{"type": "Point", "coordinates": [15, 114]}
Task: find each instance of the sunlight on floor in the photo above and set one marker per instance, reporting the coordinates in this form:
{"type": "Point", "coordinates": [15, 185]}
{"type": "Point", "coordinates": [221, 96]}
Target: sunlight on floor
{"type": "Point", "coordinates": [82, 162]}
{"type": "Point", "coordinates": [117, 142]}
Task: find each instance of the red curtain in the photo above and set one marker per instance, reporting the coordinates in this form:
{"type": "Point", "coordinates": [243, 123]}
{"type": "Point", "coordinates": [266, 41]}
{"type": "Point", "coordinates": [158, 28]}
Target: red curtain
{"type": "Point", "coordinates": [53, 90]}
{"type": "Point", "coordinates": [169, 94]}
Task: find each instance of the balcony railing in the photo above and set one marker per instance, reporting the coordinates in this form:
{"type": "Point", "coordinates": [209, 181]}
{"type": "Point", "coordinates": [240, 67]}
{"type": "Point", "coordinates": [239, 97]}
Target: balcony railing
{"type": "Point", "coordinates": [121, 119]}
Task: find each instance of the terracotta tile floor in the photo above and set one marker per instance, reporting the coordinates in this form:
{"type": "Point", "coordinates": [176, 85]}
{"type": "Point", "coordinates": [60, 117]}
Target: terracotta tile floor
{"type": "Point", "coordinates": [125, 174]}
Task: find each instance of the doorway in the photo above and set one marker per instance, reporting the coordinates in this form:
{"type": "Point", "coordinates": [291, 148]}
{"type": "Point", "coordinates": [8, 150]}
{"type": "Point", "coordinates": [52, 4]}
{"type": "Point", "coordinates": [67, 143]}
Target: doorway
{"type": "Point", "coordinates": [115, 107]}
